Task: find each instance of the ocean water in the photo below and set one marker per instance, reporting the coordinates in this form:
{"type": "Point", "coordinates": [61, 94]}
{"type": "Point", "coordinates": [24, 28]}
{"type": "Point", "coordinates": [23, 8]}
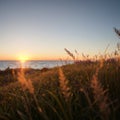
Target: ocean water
{"type": "Point", "coordinates": [36, 64]}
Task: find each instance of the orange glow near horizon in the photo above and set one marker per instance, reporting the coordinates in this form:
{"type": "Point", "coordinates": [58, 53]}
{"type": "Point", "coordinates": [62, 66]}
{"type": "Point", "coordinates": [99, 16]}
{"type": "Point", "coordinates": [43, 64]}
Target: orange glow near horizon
{"type": "Point", "coordinates": [25, 56]}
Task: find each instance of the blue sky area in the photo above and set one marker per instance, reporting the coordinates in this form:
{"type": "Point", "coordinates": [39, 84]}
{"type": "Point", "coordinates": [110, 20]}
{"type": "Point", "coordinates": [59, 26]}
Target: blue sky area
{"type": "Point", "coordinates": [41, 29]}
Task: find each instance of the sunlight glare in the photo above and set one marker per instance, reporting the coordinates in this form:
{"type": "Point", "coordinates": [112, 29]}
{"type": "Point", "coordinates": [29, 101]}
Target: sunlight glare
{"type": "Point", "coordinates": [23, 58]}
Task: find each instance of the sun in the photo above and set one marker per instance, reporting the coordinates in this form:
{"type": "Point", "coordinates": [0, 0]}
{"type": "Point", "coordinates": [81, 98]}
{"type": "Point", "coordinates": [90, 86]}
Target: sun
{"type": "Point", "coordinates": [23, 58]}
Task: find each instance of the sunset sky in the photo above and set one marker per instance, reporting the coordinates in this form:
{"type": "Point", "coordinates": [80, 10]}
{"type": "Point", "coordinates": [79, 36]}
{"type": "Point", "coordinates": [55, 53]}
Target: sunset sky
{"type": "Point", "coordinates": [41, 29]}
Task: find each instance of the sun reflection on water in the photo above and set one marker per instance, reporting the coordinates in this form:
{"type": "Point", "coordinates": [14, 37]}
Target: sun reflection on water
{"type": "Point", "coordinates": [23, 59]}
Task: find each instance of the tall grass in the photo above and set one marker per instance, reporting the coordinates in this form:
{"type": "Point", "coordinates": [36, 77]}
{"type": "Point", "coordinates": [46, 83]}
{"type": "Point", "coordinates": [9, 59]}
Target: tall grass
{"type": "Point", "coordinates": [85, 90]}
{"type": "Point", "coordinates": [100, 95]}
{"type": "Point", "coordinates": [64, 86]}
{"type": "Point", "coordinates": [25, 84]}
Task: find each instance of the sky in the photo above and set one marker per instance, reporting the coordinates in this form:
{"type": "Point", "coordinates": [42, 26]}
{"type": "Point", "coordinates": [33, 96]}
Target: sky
{"type": "Point", "coordinates": [41, 29]}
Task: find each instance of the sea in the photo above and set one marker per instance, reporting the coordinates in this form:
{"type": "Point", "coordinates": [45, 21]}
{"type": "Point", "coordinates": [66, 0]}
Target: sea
{"type": "Point", "coordinates": [35, 64]}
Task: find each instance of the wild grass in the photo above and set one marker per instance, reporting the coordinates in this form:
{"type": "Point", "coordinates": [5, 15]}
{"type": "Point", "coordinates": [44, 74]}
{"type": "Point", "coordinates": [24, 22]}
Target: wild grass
{"type": "Point", "coordinates": [79, 91]}
{"type": "Point", "coordinates": [84, 90]}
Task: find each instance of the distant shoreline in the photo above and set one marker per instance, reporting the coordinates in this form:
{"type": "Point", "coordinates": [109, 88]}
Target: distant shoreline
{"type": "Point", "coordinates": [34, 64]}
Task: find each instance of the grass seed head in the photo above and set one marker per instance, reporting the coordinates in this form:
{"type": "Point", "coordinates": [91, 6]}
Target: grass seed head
{"type": "Point", "coordinates": [64, 87]}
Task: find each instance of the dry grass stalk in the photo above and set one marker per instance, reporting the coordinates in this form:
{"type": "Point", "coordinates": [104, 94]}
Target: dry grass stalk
{"type": "Point", "coordinates": [26, 84]}
{"type": "Point", "coordinates": [117, 31]}
{"type": "Point", "coordinates": [70, 54]}
{"type": "Point", "coordinates": [65, 89]}
{"type": "Point", "coordinates": [100, 96]}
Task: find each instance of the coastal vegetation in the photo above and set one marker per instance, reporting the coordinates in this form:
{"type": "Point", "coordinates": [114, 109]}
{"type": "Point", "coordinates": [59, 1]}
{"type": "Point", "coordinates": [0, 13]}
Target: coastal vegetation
{"type": "Point", "coordinates": [84, 90]}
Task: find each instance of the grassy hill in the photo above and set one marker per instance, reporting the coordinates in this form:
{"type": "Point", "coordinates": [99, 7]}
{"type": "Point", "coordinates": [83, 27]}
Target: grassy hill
{"type": "Point", "coordinates": [81, 91]}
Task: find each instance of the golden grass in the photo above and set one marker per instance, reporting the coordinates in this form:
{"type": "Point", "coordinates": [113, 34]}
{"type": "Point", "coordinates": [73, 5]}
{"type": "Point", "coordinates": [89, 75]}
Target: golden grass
{"type": "Point", "coordinates": [26, 84]}
{"type": "Point", "coordinates": [100, 95]}
{"type": "Point", "coordinates": [47, 96]}
{"type": "Point", "coordinates": [64, 85]}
